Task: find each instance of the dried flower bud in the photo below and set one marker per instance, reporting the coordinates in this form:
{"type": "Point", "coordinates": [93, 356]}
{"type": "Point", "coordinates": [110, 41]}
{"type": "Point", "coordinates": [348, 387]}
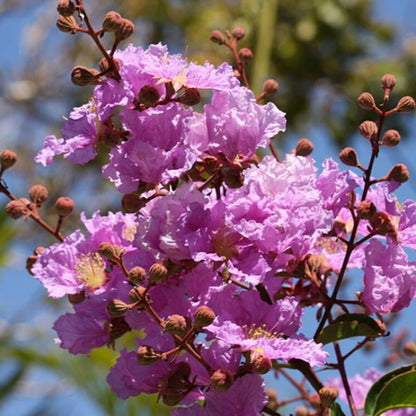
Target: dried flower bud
{"type": "Point", "coordinates": [65, 7]}
{"type": "Point", "coordinates": [217, 37]}
{"type": "Point", "coordinates": [270, 87]}
{"type": "Point", "coordinates": [409, 348]}
{"type": "Point", "coordinates": [203, 317]}
{"type": "Point", "coordinates": [245, 55]}
{"type": "Point", "coordinates": [137, 294]}
{"type": "Point", "coordinates": [116, 307]}
{"type": "Point", "coordinates": [349, 156]}
{"type": "Point", "coordinates": [328, 395]}
{"type": "Point", "coordinates": [18, 208]}
{"type": "Point", "coordinates": [368, 129]}
{"type": "Point", "coordinates": [302, 411]}
{"type": "Point", "coordinates": [64, 206]}
{"type": "Point", "coordinates": [366, 101]}
{"type": "Point", "coordinates": [112, 21]}
{"type": "Point", "coordinates": [366, 209]}
{"type": "Point", "coordinates": [398, 173]}
{"type": "Point", "coordinates": [132, 202]}
{"type": "Point", "coordinates": [272, 399]}
{"type": "Point", "coordinates": [67, 24]}
{"type": "Point", "coordinates": [191, 96]}
{"type": "Point", "coordinates": [136, 275]}
{"type": "Point", "coordinates": [147, 355]}
{"type": "Point", "coordinates": [222, 379]}
{"type": "Point", "coordinates": [157, 272]}
{"type": "Point", "coordinates": [388, 81]}
{"type": "Point", "coordinates": [7, 159]}
{"type": "Point", "coordinates": [304, 147]}
{"type": "Point", "coordinates": [38, 194]}
{"type": "Point", "coordinates": [149, 95]}
{"type": "Point", "coordinates": [391, 138]}
{"type": "Point", "coordinates": [406, 104]}
{"type": "Point", "coordinates": [110, 251]}
{"type": "Point", "coordinates": [176, 325]}
{"type": "Point", "coordinates": [77, 298]}
{"type": "Point", "coordinates": [82, 76]}
{"type": "Point", "coordinates": [125, 31]}
{"type": "Point", "coordinates": [238, 33]}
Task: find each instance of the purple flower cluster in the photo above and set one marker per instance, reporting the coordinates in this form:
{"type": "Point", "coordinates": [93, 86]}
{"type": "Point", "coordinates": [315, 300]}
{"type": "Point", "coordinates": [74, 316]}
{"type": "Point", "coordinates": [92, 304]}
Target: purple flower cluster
{"type": "Point", "coordinates": [222, 261]}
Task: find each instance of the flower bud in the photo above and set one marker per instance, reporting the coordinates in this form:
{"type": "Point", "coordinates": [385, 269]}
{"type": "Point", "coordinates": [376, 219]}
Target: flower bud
{"type": "Point", "coordinates": [137, 294]}
{"type": "Point", "coordinates": [366, 209]}
{"type": "Point", "coordinates": [65, 8]}
{"type": "Point", "coordinates": [112, 21]}
{"type": "Point", "coordinates": [349, 156]}
{"type": "Point", "coordinates": [176, 325]}
{"type": "Point", "coordinates": [110, 251]}
{"type": "Point", "coordinates": [270, 87]}
{"type": "Point", "coordinates": [272, 401]}
{"type": "Point", "coordinates": [105, 67]}
{"type": "Point", "coordinates": [238, 33]}
{"type": "Point", "coordinates": [171, 396]}
{"type": "Point", "coordinates": [260, 363]}
{"type": "Point", "coordinates": [368, 129]}
{"type": "Point", "coordinates": [136, 275]}
{"type": "Point", "coordinates": [116, 328]}
{"type": "Point", "coordinates": [388, 81]}
{"type": "Point", "coordinates": [31, 260]}
{"type": "Point", "coordinates": [7, 159]}
{"type": "Point", "coordinates": [302, 411]}
{"type": "Point", "coordinates": [67, 24]}
{"type": "Point", "coordinates": [126, 30]}
{"type": "Point", "coordinates": [366, 101]}
{"type": "Point", "coordinates": [116, 307]}
{"type": "Point", "coordinates": [82, 76]}
{"type": "Point", "coordinates": [132, 202]}
{"type": "Point", "coordinates": [304, 147]}
{"type": "Point", "coordinates": [77, 298]}
{"type": "Point", "coordinates": [190, 97]}
{"type": "Point", "coordinates": [147, 355]}
{"type": "Point", "coordinates": [203, 317]}
{"type": "Point", "coordinates": [222, 379]}
{"type": "Point", "coordinates": [217, 37]}
{"type": "Point", "coordinates": [64, 206]}
{"type": "Point", "coordinates": [157, 272]}
{"type": "Point", "coordinates": [38, 194]}
{"type": "Point", "coordinates": [328, 395]}
{"type": "Point", "coordinates": [149, 95]}
{"type": "Point", "coordinates": [398, 173]}
{"type": "Point", "coordinates": [406, 104]}
{"type": "Point", "coordinates": [245, 55]}
{"type": "Point", "coordinates": [17, 208]}
{"type": "Point", "coordinates": [409, 348]}
{"type": "Point", "coordinates": [381, 223]}
{"type": "Point", "coordinates": [391, 138]}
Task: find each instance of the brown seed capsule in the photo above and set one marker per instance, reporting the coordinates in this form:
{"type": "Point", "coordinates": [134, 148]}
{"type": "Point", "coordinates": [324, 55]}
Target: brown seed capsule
{"type": "Point", "coordinates": [7, 159]}
{"type": "Point", "coordinates": [65, 7]}
{"type": "Point", "coordinates": [270, 87]}
{"type": "Point", "coordinates": [406, 105]}
{"type": "Point", "coordinates": [190, 97]}
{"type": "Point", "coordinates": [83, 76]}
{"type": "Point", "coordinates": [147, 355]}
{"type": "Point", "coordinates": [64, 206]}
{"type": "Point", "coordinates": [203, 317]}
{"type": "Point", "coordinates": [366, 101]}
{"type": "Point", "coordinates": [368, 129]}
{"type": "Point", "coordinates": [125, 31]}
{"type": "Point", "coordinates": [245, 55]}
{"type": "Point", "coordinates": [157, 272]}
{"type": "Point", "coordinates": [328, 395]}
{"type": "Point", "coordinates": [38, 194]}
{"type": "Point", "coordinates": [116, 307]}
{"type": "Point", "coordinates": [112, 21]}
{"type": "Point", "coordinates": [349, 156]}
{"type": "Point", "coordinates": [149, 95]}
{"type": "Point", "coordinates": [18, 208]}
{"type": "Point", "coordinates": [304, 147]}
{"type": "Point", "coordinates": [222, 379]}
{"type": "Point", "coordinates": [238, 32]}
{"type": "Point", "coordinates": [388, 81]}
{"type": "Point", "coordinates": [398, 173]}
{"type": "Point", "coordinates": [67, 24]}
{"type": "Point", "coordinates": [137, 275]}
{"type": "Point", "coordinates": [217, 37]}
{"type": "Point", "coordinates": [391, 138]}
{"type": "Point", "coordinates": [176, 325]}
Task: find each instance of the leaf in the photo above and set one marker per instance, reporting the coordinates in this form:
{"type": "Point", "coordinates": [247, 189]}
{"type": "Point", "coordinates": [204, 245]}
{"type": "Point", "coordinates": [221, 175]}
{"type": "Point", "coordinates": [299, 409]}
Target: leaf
{"type": "Point", "coordinates": [335, 410]}
{"type": "Point", "coordinates": [350, 325]}
{"type": "Point", "coordinates": [394, 390]}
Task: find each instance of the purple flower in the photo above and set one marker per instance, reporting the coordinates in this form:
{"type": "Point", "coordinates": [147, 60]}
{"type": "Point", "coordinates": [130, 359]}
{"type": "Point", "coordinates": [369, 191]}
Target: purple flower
{"type": "Point", "coordinates": [389, 278]}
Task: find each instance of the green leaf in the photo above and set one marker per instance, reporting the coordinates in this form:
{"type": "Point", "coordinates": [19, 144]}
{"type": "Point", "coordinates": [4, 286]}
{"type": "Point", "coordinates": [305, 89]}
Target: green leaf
{"type": "Point", "coordinates": [394, 390]}
{"type": "Point", "coordinates": [348, 326]}
{"type": "Point", "coordinates": [335, 410]}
